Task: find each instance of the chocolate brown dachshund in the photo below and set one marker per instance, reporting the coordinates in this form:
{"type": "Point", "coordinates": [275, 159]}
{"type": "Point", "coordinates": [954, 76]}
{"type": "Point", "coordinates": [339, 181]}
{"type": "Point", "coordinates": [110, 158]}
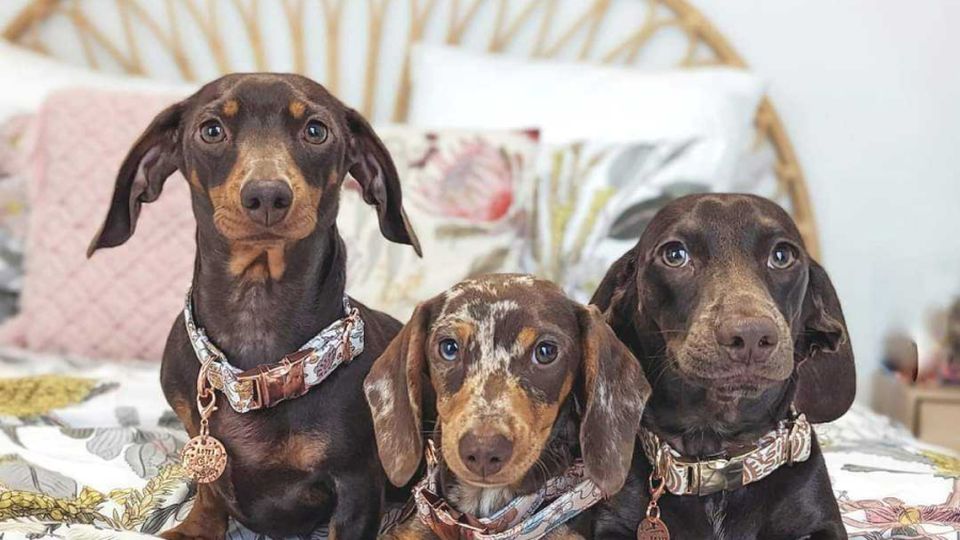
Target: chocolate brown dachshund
{"type": "Point", "coordinates": [265, 156]}
{"type": "Point", "coordinates": [735, 325]}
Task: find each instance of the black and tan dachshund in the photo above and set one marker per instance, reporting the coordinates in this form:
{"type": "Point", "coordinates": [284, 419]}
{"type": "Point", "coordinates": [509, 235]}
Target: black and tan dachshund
{"type": "Point", "coordinates": [265, 156]}
{"type": "Point", "coordinates": [734, 323]}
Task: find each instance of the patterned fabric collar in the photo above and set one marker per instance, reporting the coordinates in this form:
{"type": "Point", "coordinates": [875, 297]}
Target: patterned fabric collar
{"type": "Point", "coordinates": [291, 377]}
{"type": "Point", "coordinates": [789, 443]}
{"type": "Point", "coordinates": [524, 518]}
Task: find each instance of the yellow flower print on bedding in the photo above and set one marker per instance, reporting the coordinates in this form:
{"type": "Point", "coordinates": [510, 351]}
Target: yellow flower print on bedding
{"type": "Point", "coordinates": [121, 509]}
{"type": "Point", "coordinates": [945, 464]}
{"type": "Point", "coordinates": [33, 396]}
{"type": "Point", "coordinates": [81, 509]}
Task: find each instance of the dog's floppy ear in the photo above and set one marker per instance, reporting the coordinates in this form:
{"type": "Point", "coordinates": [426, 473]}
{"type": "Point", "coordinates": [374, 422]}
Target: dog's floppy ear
{"type": "Point", "coordinates": [373, 168]}
{"type": "Point", "coordinates": [151, 160]}
{"type": "Point", "coordinates": [616, 296]}
{"type": "Point", "coordinates": [394, 390]}
{"type": "Point", "coordinates": [616, 391]}
{"type": "Point", "coordinates": [827, 381]}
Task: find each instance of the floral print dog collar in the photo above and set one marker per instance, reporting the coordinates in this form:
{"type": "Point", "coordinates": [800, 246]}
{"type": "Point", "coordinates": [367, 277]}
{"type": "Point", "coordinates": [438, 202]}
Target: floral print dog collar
{"type": "Point", "coordinates": [291, 377]}
{"type": "Point", "coordinates": [204, 457]}
{"type": "Point", "coordinates": [527, 517]}
{"type": "Point", "coordinates": [789, 443]}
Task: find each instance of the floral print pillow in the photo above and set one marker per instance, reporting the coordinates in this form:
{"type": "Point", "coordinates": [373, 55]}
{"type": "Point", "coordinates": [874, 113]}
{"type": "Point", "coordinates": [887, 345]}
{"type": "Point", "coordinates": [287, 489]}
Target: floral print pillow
{"type": "Point", "coordinates": [593, 200]}
{"type": "Point", "coordinates": [467, 195]}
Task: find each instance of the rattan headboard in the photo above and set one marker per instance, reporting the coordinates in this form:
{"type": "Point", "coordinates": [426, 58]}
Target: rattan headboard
{"type": "Point", "coordinates": [199, 39]}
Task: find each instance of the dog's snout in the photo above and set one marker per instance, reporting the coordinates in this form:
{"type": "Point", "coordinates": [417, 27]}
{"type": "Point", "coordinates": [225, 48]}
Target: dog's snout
{"type": "Point", "coordinates": [266, 201]}
{"type": "Point", "coordinates": [485, 455]}
{"type": "Point", "coordinates": [748, 339]}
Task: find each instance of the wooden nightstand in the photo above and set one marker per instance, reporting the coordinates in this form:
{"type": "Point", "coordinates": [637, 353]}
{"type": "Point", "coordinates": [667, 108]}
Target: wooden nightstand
{"type": "Point", "coordinates": [931, 411]}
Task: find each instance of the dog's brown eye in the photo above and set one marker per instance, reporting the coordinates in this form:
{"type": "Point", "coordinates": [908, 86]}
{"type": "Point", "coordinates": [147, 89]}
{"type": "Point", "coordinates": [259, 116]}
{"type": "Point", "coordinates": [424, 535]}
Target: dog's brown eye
{"type": "Point", "coordinates": [674, 255]}
{"type": "Point", "coordinates": [545, 352]}
{"type": "Point", "coordinates": [315, 132]}
{"type": "Point", "coordinates": [449, 349]}
{"type": "Point", "coordinates": [783, 256]}
{"type": "Point", "coordinates": [212, 131]}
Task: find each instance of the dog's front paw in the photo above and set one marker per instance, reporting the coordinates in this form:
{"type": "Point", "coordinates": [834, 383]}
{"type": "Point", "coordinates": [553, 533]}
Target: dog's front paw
{"type": "Point", "coordinates": [412, 529]}
{"type": "Point", "coordinates": [193, 531]}
{"type": "Point", "coordinates": [174, 534]}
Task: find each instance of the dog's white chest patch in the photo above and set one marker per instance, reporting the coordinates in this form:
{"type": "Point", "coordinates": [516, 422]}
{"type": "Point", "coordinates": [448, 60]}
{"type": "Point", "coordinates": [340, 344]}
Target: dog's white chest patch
{"type": "Point", "coordinates": [480, 502]}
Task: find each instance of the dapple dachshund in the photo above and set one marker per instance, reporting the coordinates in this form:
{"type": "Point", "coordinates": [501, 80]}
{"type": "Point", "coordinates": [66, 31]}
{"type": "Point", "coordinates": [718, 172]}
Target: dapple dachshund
{"type": "Point", "coordinates": [735, 325]}
{"type": "Point", "coordinates": [265, 156]}
{"type": "Point", "coordinates": [523, 381]}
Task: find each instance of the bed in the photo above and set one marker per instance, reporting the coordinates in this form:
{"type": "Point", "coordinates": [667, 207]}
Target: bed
{"type": "Point", "coordinates": [88, 447]}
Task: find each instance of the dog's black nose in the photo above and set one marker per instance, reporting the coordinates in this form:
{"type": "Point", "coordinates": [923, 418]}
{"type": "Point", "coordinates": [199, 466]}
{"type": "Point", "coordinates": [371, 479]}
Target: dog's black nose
{"type": "Point", "coordinates": [485, 455]}
{"type": "Point", "coordinates": [748, 339]}
{"type": "Point", "coordinates": [266, 201]}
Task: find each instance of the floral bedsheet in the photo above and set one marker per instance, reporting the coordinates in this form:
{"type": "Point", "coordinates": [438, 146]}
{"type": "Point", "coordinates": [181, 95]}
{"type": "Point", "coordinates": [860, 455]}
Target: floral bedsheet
{"type": "Point", "coordinates": [88, 450]}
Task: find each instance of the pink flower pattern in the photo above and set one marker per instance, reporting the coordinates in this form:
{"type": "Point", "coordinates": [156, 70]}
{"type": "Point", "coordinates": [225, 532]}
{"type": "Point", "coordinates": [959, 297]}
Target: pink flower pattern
{"type": "Point", "coordinates": [476, 179]}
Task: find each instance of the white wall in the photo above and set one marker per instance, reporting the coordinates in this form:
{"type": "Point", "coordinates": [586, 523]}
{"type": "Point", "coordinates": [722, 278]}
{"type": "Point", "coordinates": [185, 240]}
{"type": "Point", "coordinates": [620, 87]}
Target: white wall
{"type": "Point", "coordinates": [869, 91]}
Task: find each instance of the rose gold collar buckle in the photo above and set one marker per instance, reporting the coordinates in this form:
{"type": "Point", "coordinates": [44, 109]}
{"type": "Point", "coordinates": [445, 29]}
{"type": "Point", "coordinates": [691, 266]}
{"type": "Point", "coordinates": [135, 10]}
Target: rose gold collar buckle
{"type": "Point", "coordinates": [278, 382]}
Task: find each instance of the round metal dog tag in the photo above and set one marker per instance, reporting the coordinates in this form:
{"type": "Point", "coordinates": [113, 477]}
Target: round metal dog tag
{"type": "Point", "coordinates": [652, 528]}
{"type": "Point", "coordinates": [204, 458]}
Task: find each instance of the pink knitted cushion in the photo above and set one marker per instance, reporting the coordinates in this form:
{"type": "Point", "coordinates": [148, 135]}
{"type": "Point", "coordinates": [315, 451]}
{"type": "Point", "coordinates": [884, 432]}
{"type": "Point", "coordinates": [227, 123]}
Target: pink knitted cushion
{"type": "Point", "coordinates": [121, 303]}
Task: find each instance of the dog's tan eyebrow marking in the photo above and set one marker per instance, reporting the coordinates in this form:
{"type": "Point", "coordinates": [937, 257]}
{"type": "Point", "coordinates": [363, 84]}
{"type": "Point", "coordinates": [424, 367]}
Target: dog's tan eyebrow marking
{"type": "Point", "coordinates": [769, 223]}
{"type": "Point", "coordinates": [463, 329]}
{"type": "Point", "coordinates": [297, 108]}
{"type": "Point", "coordinates": [231, 107]}
{"type": "Point", "coordinates": [525, 338]}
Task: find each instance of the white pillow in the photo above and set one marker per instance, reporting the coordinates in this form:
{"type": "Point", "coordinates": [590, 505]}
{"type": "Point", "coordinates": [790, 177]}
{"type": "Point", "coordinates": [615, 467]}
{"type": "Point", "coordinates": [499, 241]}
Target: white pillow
{"type": "Point", "coordinates": [27, 78]}
{"type": "Point", "coordinates": [455, 88]}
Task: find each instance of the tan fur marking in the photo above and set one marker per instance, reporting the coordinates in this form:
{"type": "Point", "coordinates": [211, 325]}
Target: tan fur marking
{"type": "Point", "coordinates": [194, 181]}
{"type": "Point", "coordinates": [184, 411]}
{"type": "Point", "coordinates": [303, 452]}
{"type": "Point", "coordinates": [231, 107]}
{"type": "Point", "coordinates": [254, 162]}
{"type": "Point", "coordinates": [512, 413]}
{"type": "Point", "coordinates": [243, 257]}
{"type": "Point", "coordinates": [526, 337]}
{"type": "Point", "coordinates": [264, 160]}
{"type": "Point", "coordinates": [297, 108]}
{"type": "Point", "coordinates": [276, 262]}
{"type": "Point", "coordinates": [591, 354]}
{"type": "Point", "coordinates": [411, 529]}
{"type": "Point", "coordinates": [257, 272]}
{"type": "Point", "coordinates": [228, 214]}
{"type": "Point", "coordinates": [464, 330]}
